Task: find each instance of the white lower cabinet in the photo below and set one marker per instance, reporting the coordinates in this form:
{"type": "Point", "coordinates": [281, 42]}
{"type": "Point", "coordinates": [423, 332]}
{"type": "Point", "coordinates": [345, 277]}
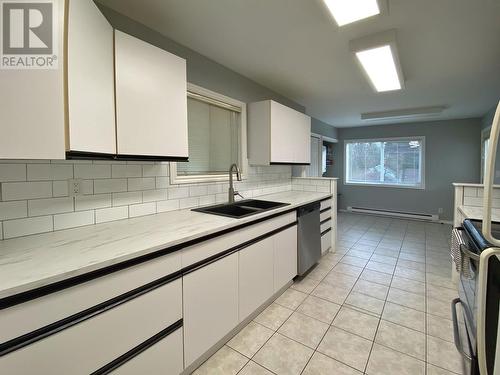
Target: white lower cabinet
{"type": "Point", "coordinates": [326, 242]}
{"type": "Point", "coordinates": [285, 257]}
{"type": "Point", "coordinates": [210, 299]}
{"type": "Point", "coordinates": [256, 280]}
{"type": "Point", "coordinates": [91, 344]}
{"type": "Point", "coordinates": [164, 357]}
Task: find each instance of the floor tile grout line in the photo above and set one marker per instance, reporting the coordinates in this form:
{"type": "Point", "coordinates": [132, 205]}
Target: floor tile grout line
{"type": "Point", "coordinates": [426, 309]}
{"type": "Point", "coordinates": [378, 324]}
{"type": "Point", "coordinates": [344, 302]}
{"type": "Point", "coordinates": [341, 305]}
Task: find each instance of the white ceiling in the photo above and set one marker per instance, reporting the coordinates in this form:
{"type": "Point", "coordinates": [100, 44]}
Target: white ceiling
{"type": "Point", "coordinates": [449, 50]}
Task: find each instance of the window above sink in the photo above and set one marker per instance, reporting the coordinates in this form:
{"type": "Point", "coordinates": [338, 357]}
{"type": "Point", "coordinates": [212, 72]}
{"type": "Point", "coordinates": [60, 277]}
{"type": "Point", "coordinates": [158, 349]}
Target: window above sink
{"type": "Point", "coordinates": [216, 137]}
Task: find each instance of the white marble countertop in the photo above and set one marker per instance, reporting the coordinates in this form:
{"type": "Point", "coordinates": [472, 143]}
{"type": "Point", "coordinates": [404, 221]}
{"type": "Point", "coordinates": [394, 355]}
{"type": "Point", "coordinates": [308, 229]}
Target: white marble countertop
{"type": "Point", "coordinates": [34, 261]}
{"type": "Point", "coordinates": [471, 212]}
{"type": "Point", "coordinates": [467, 184]}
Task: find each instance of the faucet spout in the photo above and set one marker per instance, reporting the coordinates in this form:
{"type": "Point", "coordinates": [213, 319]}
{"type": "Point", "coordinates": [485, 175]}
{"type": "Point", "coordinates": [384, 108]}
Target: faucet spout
{"type": "Point", "coordinates": [231, 192]}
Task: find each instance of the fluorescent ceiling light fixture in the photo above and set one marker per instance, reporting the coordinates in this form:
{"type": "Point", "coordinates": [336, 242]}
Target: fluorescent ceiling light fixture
{"type": "Point", "coordinates": [404, 113]}
{"type": "Point", "coordinates": [348, 11]}
{"type": "Point", "coordinates": [377, 55]}
{"type": "Point", "coordinates": [380, 67]}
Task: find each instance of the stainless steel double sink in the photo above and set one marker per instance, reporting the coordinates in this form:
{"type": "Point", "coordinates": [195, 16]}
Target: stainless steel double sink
{"type": "Point", "coordinates": [241, 209]}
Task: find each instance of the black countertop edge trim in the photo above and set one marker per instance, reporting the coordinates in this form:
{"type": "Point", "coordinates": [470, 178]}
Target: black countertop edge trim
{"type": "Point", "coordinates": [326, 231]}
{"type": "Point", "coordinates": [53, 328]}
{"type": "Point", "coordinates": [214, 258]}
{"type": "Point", "coordinates": [150, 158]}
{"type": "Point", "coordinates": [284, 163]}
{"type": "Point", "coordinates": [110, 367]}
{"type": "Point", "coordinates": [29, 295]}
{"type": "Point", "coordinates": [325, 199]}
{"type": "Point", "coordinates": [325, 209]}
{"type": "Point", "coordinates": [85, 155]}
{"type": "Point", "coordinates": [324, 221]}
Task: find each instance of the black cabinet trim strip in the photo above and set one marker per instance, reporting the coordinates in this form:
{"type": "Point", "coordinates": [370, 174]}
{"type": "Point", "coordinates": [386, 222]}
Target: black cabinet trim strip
{"type": "Point", "coordinates": [53, 328]}
{"type": "Point", "coordinates": [325, 209]}
{"type": "Point", "coordinates": [85, 155]}
{"type": "Point", "coordinates": [326, 231]}
{"type": "Point", "coordinates": [324, 221]}
{"type": "Point", "coordinates": [325, 199]}
{"type": "Point", "coordinates": [29, 295]}
{"type": "Point", "coordinates": [284, 163]}
{"type": "Point", "coordinates": [138, 349]}
{"type": "Point", "coordinates": [223, 254]}
{"type": "Point", "coordinates": [151, 158]}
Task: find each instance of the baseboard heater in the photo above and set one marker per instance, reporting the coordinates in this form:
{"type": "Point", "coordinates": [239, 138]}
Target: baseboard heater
{"type": "Point", "coordinates": [406, 215]}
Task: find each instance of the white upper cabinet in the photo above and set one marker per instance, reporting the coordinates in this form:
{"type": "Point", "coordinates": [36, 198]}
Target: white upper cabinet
{"type": "Point", "coordinates": [151, 100]}
{"type": "Point", "coordinates": [32, 109]}
{"type": "Point", "coordinates": [278, 134]}
{"type": "Point", "coordinates": [91, 97]}
{"type": "Point", "coordinates": [46, 112]}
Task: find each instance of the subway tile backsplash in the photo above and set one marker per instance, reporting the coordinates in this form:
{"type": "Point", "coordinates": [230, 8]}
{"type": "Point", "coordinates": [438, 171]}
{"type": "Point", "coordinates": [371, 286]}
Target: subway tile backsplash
{"type": "Point", "coordinates": [34, 194]}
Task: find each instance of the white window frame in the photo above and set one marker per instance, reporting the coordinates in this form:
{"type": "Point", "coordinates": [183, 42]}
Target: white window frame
{"type": "Point", "coordinates": [485, 135]}
{"type": "Point", "coordinates": [411, 138]}
{"type": "Point", "coordinates": [212, 97]}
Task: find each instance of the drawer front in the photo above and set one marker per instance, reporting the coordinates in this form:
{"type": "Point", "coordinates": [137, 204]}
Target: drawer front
{"type": "Point", "coordinates": [164, 357]}
{"type": "Point", "coordinates": [325, 204]}
{"type": "Point", "coordinates": [326, 242]}
{"type": "Point", "coordinates": [92, 343]}
{"type": "Point", "coordinates": [325, 215]}
{"type": "Point", "coordinates": [326, 225]}
{"type": "Point", "coordinates": [204, 250]}
{"type": "Point", "coordinates": [29, 316]}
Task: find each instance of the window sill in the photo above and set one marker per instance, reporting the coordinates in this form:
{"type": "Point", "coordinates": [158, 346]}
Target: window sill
{"type": "Point", "coordinates": [420, 187]}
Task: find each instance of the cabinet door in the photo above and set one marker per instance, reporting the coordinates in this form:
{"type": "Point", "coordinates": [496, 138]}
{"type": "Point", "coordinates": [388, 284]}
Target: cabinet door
{"type": "Point", "coordinates": [285, 257]}
{"type": "Point", "coordinates": [151, 100]}
{"type": "Point", "coordinates": [256, 282]}
{"type": "Point", "coordinates": [210, 299]}
{"type": "Point", "coordinates": [91, 97]}
{"type": "Point", "coordinates": [283, 131]}
{"type": "Point", "coordinates": [164, 357]}
{"type": "Point", "coordinates": [95, 342]}
{"type": "Point", "coordinates": [303, 139]}
{"type": "Point", "coordinates": [32, 107]}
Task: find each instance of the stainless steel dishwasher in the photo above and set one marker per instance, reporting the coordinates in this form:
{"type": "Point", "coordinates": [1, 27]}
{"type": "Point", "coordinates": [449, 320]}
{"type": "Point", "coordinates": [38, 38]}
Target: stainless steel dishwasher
{"type": "Point", "coordinates": [309, 237]}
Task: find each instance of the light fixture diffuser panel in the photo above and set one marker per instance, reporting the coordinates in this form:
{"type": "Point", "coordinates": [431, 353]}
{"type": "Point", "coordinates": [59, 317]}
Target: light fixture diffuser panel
{"type": "Point", "coordinates": [348, 11]}
{"type": "Point", "coordinates": [380, 67]}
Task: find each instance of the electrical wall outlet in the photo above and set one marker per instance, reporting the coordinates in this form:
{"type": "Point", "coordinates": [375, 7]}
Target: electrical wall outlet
{"type": "Point", "coordinates": [75, 187]}
{"type": "Point", "coordinates": [440, 210]}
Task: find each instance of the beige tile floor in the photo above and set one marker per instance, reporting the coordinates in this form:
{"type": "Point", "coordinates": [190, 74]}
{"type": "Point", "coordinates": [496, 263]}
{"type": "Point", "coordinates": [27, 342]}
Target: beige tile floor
{"type": "Point", "coordinates": [380, 305]}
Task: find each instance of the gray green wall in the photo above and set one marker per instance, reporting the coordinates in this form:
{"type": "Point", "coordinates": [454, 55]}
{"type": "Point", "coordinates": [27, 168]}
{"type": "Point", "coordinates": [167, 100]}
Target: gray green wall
{"type": "Point", "coordinates": [452, 154]}
{"type": "Point", "coordinates": [201, 70]}
{"type": "Point", "coordinates": [488, 118]}
{"type": "Point", "coordinates": [320, 127]}
{"type": "Point", "coordinates": [209, 74]}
